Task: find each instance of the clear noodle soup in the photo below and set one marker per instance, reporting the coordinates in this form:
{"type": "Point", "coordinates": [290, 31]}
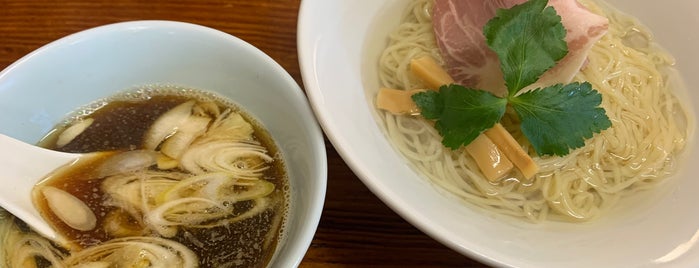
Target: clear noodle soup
{"type": "Point", "coordinates": [640, 151]}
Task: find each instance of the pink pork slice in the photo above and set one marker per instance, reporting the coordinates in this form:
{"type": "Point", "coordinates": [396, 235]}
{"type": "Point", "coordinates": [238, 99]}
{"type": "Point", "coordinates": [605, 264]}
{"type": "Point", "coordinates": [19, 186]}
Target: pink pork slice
{"type": "Point", "coordinates": [458, 27]}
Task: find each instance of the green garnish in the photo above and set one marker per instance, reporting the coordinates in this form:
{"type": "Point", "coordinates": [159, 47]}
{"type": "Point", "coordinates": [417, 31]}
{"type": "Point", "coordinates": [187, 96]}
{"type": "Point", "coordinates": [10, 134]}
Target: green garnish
{"type": "Point", "coordinates": [529, 39]}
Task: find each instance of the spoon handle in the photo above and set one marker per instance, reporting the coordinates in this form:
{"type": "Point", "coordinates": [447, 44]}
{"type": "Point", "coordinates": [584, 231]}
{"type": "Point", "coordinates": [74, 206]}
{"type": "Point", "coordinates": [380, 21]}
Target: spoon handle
{"type": "Point", "coordinates": [23, 166]}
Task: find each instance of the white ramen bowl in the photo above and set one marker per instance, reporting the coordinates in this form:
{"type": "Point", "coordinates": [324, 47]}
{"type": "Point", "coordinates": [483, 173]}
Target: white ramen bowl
{"type": "Point", "coordinates": [43, 87]}
{"type": "Point", "coordinates": [339, 45]}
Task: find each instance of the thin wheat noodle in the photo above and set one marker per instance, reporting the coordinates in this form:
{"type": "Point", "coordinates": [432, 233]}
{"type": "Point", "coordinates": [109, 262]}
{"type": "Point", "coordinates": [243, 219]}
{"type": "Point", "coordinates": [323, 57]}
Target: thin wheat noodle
{"type": "Point", "coordinates": [649, 127]}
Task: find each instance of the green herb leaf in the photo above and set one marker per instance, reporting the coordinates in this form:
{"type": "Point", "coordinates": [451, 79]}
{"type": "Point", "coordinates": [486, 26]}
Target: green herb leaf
{"type": "Point", "coordinates": [461, 113]}
{"type": "Point", "coordinates": [559, 118]}
{"type": "Point", "coordinates": [528, 39]}
{"type": "Point", "coordinates": [431, 104]}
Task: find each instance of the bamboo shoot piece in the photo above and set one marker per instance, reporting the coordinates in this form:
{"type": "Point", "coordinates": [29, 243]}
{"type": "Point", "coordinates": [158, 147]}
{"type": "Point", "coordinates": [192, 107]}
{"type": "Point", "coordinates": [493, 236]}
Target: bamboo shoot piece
{"type": "Point", "coordinates": [495, 151]}
{"type": "Point", "coordinates": [491, 161]}
{"type": "Point", "coordinates": [396, 101]}
{"type": "Point", "coordinates": [429, 71]}
{"type": "Point", "coordinates": [511, 148]}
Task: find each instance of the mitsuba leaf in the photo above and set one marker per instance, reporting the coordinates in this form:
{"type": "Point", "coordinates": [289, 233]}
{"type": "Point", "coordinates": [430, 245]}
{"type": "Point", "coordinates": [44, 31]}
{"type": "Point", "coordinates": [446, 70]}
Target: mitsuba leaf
{"type": "Point", "coordinates": [431, 104]}
{"type": "Point", "coordinates": [461, 113]}
{"type": "Point", "coordinates": [529, 39]}
{"type": "Point", "coordinates": [559, 118]}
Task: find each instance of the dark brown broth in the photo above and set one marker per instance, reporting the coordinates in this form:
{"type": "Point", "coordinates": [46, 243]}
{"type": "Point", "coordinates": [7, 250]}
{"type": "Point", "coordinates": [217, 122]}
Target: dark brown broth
{"type": "Point", "coordinates": [120, 126]}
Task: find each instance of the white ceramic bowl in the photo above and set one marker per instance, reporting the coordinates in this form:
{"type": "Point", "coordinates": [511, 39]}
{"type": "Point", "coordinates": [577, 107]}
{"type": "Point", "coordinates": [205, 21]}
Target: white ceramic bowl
{"type": "Point", "coordinates": [339, 43]}
{"type": "Point", "coordinates": [40, 89]}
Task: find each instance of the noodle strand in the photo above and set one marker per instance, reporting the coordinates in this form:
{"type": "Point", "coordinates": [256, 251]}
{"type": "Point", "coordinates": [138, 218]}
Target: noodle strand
{"type": "Point", "coordinates": [649, 127]}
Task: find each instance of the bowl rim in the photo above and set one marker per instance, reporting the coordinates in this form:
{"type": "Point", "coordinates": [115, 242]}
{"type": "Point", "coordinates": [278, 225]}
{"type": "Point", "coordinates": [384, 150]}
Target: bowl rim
{"type": "Point", "coordinates": [312, 32]}
{"type": "Point", "coordinates": [315, 135]}
{"type": "Point", "coordinates": [344, 149]}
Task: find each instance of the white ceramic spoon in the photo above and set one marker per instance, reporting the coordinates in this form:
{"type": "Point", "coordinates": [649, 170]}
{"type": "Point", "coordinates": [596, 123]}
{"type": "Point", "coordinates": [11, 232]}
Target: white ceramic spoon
{"type": "Point", "coordinates": [23, 166]}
